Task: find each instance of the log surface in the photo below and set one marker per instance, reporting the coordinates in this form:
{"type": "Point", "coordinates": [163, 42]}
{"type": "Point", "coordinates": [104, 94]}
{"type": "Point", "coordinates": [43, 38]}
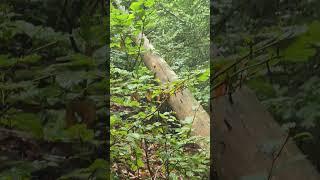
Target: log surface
{"type": "Point", "coordinates": [243, 132]}
{"type": "Point", "coordinates": [182, 102]}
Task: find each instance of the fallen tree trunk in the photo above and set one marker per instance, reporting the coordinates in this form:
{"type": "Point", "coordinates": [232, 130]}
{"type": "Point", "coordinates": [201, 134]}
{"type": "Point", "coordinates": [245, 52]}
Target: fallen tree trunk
{"type": "Point", "coordinates": [245, 135]}
{"type": "Point", "coordinates": [182, 102]}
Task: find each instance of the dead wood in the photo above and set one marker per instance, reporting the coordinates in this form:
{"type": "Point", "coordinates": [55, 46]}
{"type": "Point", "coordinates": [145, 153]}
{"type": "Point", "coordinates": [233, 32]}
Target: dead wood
{"type": "Point", "coordinates": [243, 133]}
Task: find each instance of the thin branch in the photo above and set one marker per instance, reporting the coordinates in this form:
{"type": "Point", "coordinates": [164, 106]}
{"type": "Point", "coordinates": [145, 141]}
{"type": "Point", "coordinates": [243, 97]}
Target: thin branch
{"type": "Point", "coordinates": [243, 58]}
{"type": "Point", "coordinates": [125, 47]}
{"type": "Point", "coordinates": [147, 157]}
{"type": "Point", "coordinates": [140, 44]}
{"type": "Point", "coordinates": [242, 70]}
{"type": "Point", "coordinates": [42, 47]}
{"type": "Point", "coordinates": [194, 116]}
{"type": "Point", "coordinates": [158, 108]}
{"type": "Point", "coordinates": [277, 156]}
{"type": "Point", "coordinates": [5, 110]}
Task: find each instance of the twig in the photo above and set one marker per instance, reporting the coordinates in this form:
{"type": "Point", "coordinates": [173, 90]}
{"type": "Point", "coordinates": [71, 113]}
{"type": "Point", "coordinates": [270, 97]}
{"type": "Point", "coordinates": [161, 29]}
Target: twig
{"type": "Point", "coordinates": [5, 110]}
{"type": "Point", "coordinates": [158, 108]}
{"type": "Point", "coordinates": [42, 47]}
{"type": "Point", "coordinates": [125, 47]}
{"type": "Point", "coordinates": [277, 156]}
{"type": "Point", "coordinates": [155, 175]}
{"type": "Point", "coordinates": [242, 70]}
{"type": "Point", "coordinates": [194, 116]}
{"type": "Point", "coordinates": [147, 157]}
{"type": "Point", "coordinates": [140, 44]}
{"type": "Point", "coordinates": [167, 160]}
{"type": "Point", "coordinates": [152, 113]}
{"type": "Point", "coordinates": [243, 58]}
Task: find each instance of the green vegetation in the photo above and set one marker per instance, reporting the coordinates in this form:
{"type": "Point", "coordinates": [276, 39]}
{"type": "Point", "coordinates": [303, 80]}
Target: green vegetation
{"type": "Point", "coordinates": [147, 140]}
{"type": "Point", "coordinates": [51, 52]}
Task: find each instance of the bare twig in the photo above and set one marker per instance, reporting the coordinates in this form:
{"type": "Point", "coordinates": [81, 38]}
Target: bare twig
{"type": "Point", "coordinates": [243, 58]}
{"type": "Point", "coordinates": [194, 116]}
{"type": "Point", "coordinates": [158, 108]}
{"type": "Point", "coordinates": [42, 47]}
{"type": "Point", "coordinates": [241, 71]}
{"type": "Point", "coordinates": [277, 156]}
{"type": "Point", "coordinates": [147, 157]}
{"type": "Point", "coordinates": [140, 44]}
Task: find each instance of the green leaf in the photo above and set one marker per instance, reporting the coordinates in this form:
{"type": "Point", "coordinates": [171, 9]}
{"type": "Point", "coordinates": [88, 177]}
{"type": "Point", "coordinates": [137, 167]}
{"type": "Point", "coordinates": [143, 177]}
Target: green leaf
{"type": "Point", "coordinates": [303, 136]}
{"type": "Point", "coordinates": [80, 131]}
{"type": "Point", "coordinates": [157, 124]}
{"type": "Point", "coordinates": [98, 163]}
{"type": "Point", "coordinates": [300, 50]}
{"type": "Point", "coordinates": [136, 6]}
{"type": "Point", "coordinates": [134, 135]}
{"type": "Point", "coordinates": [30, 59]}
{"type": "Point", "coordinates": [205, 76]}
{"type": "Point", "coordinates": [29, 122]}
{"type": "Point", "coordinates": [140, 163]}
{"type": "Point", "coordinates": [310, 113]}
{"type": "Point", "coordinates": [114, 120]}
{"type": "Point", "coordinates": [149, 3]}
{"type": "Point", "coordinates": [6, 62]}
{"type": "Point", "coordinates": [68, 79]}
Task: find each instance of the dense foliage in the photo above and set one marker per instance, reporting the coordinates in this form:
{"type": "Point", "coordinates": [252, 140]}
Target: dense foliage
{"type": "Point", "coordinates": [51, 52]}
{"type": "Point", "coordinates": [147, 141]}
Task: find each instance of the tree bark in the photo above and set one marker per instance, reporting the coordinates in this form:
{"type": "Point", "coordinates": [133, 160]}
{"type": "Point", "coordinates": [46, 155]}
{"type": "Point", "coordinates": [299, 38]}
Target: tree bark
{"type": "Point", "coordinates": [182, 102]}
{"type": "Point", "coordinates": [244, 134]}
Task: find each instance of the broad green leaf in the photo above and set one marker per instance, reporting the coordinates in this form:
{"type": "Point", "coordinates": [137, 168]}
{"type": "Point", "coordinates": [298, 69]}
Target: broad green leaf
{"type": "Point", "coordinates": [205, 76]}
{"type": "Point", "coordinates": [80, 131]}
{"type": "Point", "coordinates": [301, 50]}
{"type": "Point", "coordinates": [30, 59]}
{"type": "Point", "coordinates": [6, 62]}
{"type": "Point", "coordinates": [28, 122]}
{"type": "Point", "coordinates": [135, 6]}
